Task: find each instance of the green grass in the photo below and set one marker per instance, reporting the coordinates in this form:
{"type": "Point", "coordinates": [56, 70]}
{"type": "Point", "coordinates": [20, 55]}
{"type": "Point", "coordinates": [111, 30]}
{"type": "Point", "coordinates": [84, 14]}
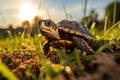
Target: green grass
{"type": "Point", "coordinates": [105, 39]}
{"type": "Point", "coordinates": [34, 45]}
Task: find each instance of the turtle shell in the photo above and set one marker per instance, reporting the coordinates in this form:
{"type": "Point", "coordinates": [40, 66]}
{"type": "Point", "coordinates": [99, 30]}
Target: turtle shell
{"type": "Point", "coordinates": [77, 29]}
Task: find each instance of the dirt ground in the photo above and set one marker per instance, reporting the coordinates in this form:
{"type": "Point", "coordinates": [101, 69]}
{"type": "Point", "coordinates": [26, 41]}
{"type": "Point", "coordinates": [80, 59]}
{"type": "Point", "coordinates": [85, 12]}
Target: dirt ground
{"type": "Point", "coordinates": [105, 66]}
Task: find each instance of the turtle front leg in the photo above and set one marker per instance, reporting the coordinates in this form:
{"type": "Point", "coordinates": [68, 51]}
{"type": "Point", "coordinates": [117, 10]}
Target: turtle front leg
{"type": "Point", "coordinates": [46, 46]}
{"type": "Point", "coordinates": [82, 44]}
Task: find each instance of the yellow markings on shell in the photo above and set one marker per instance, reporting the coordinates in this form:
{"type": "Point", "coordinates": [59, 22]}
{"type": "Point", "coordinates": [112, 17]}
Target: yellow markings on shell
{"type": "Point", "coordinates": [78, 33]}
{"type": "Point", "coordinates": [60, 28]}
{"type": "Point", "coordinates": [55, 44]}
{"type": "Point", "coordinates": [65, 42]}
{"type": "Point", "coordinates": [72, 32]}
{"type": "Point", "coordinates": [66, 29]}
{"type": "Point", "coordinates": [61, 43]}
{"type": "Point", "coordinates": [69, 42]}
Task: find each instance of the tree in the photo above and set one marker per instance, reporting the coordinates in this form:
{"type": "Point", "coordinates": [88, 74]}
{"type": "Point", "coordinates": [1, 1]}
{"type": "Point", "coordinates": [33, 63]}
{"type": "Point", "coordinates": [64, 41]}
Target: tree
{"type": "Point", "coordinates": [92, 17]}
{"type": "Point", "coordinates": [34, 29]}
{"type": "Point", "coordinates": [25, 24]}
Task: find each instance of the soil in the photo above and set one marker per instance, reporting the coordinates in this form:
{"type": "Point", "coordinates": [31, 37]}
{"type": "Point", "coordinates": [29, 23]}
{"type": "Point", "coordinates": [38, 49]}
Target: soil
{"type": "Point", "coordinates": [105, 66]}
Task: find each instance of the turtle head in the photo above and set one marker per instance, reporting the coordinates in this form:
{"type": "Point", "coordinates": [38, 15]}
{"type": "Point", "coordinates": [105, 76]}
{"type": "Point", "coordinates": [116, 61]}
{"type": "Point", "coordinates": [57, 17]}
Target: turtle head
{"type": "Point", "coordinates": [47, 25]}
{"type": "Point", "coordinates": [48, 28]}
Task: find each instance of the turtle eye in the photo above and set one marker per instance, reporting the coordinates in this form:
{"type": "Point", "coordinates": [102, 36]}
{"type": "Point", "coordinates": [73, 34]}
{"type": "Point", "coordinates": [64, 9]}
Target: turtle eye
{"type": "Point", "coordinates": [48, 23]}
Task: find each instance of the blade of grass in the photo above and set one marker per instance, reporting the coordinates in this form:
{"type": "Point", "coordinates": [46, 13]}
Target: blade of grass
{"type": "Point", "coordinates": [114, 12]}
{"type": "Point", "coordinates": [110, 29]}
{"type": "Point", "coordinates": [21, 39]}
{"type": "Point", "coordinates": [85, 8]}
{"type": "Point", "coordinates": [3, 18]}
{"type": "Point", "coordinates": [78, 58]}
{"type": "Point", "coordinates": [105, 25]}
{"type": "Point", "coordinates": [28, 73]}
{"type": "Point", "coordinates": [63, 56]}
{"type": "Point", "coordinates": [6, 72]}
{"type": "Point", "coordinates": [92, 29]}
{"type": "Point", "coordinates": [98, 51]}
{"type": "Point", "coordinates": [48, 12]}
{"type": "Point", "coordinates": [48, 69]}
{"type": "Point", "coordinates": [65, 11]}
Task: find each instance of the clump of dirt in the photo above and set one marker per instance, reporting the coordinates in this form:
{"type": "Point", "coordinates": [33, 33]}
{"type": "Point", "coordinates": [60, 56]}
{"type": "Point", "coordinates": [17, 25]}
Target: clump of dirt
{"type": "Point", "coordinates": [105, 66]}
{"type": "Point", "coordinates": [19, 63]}
{"type": "Point", "coordinates": [53, 57]}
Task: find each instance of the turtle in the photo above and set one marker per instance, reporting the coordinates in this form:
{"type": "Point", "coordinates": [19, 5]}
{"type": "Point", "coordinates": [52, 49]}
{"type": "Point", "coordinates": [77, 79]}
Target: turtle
{"type": "Point", "coordinates": [68, 34]}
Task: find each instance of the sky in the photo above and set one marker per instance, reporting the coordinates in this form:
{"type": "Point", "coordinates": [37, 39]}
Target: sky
{"type": "Point", "coordinates": [15, 11]}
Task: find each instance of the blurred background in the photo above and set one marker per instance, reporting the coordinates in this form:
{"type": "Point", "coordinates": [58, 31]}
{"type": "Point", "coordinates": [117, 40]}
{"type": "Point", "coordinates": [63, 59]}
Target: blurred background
{"type": "Point", "coordinates": [19, 15]}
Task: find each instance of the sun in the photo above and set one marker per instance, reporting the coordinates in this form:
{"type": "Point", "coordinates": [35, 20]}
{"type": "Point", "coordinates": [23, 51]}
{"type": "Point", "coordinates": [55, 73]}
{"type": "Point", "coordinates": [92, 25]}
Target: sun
{"type": "Point", "coordinates": [27, 12]}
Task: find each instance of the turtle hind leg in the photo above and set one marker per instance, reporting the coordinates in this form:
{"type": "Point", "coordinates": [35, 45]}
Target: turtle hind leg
{"type": "Point", "coordinates": [82, 44]}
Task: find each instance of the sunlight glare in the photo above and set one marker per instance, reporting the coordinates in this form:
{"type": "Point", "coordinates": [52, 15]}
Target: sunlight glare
{"type": "Point", "coordinates": [27, 12]}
